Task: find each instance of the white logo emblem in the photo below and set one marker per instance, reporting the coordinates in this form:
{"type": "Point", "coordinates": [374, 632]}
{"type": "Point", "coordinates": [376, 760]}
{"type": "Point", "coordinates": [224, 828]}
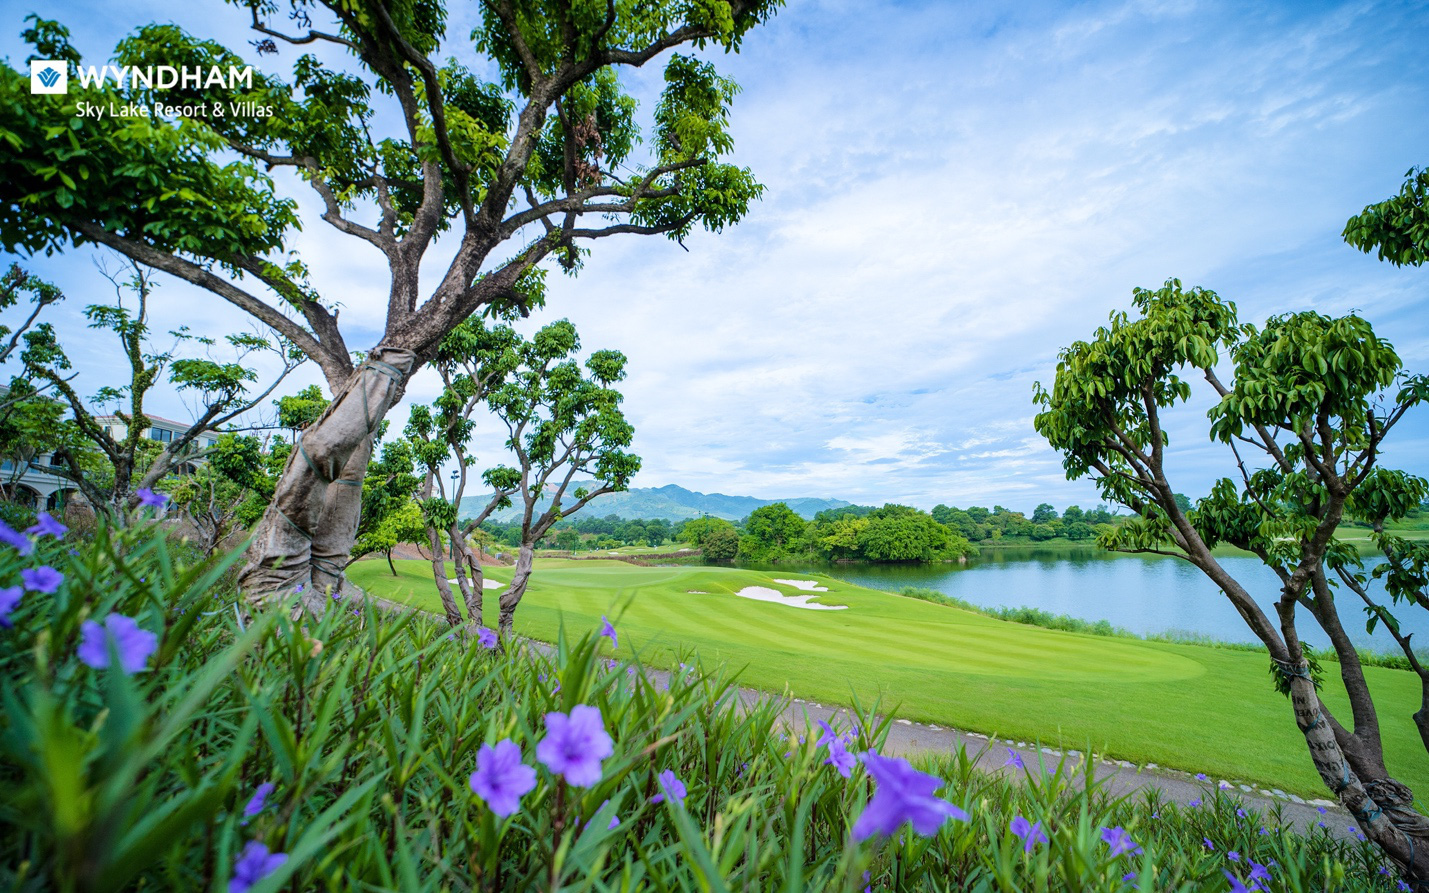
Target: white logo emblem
{"type": "Point", "coordinates": [49, 76]}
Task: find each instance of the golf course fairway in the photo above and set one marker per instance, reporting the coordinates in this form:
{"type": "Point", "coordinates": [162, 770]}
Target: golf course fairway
{"type": "Point", "coordinates": [1191, 707]}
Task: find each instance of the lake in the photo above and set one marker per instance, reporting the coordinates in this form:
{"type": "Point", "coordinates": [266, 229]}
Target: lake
{"type": "Point", "coordinates": [1146, 594]}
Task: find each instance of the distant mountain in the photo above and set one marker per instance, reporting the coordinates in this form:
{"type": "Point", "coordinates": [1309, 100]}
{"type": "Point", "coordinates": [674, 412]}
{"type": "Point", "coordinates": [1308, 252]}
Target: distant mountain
{"type": "Point", "coordinates": [670, 501]}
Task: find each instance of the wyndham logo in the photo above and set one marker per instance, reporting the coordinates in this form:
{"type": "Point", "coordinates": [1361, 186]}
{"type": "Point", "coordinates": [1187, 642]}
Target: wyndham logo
{"type": "Point", "coordinates": [49, 76]}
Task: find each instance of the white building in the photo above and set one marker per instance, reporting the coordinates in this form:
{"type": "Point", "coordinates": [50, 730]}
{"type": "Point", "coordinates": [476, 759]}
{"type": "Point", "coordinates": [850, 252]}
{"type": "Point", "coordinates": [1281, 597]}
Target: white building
{"type": "Point", "coordinates": [33, 486]}
{"type": "Point", "coordinates": [38, 488]}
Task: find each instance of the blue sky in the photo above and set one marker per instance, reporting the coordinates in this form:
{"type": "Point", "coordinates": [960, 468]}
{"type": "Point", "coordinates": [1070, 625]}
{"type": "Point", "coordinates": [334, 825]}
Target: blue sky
{"type": "Point", "coordinates": [955, 191]}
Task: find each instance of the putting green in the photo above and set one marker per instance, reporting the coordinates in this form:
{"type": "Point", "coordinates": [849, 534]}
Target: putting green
{"type": "Point", "coordinates": [1187, 706]}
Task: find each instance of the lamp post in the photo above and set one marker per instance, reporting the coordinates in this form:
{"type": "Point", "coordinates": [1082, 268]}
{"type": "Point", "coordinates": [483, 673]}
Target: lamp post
{"type": "Point", "coordinates": [457, 506]}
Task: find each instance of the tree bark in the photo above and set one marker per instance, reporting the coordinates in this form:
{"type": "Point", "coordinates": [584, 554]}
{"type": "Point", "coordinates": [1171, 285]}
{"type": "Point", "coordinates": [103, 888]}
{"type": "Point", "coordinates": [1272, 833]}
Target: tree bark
{"type": "Point", "coordinates": [478, 592]}
{"type": "Point", "coordinates": [308, 529]}
{"type": "Point", "coordinates": [462, 563]}
{"type": "Point", "coordinates": [1384, 807]}
{"type": "Point", "coordinates": [512, 596]}
{"type": "Point", "coordinates": [439, 575]}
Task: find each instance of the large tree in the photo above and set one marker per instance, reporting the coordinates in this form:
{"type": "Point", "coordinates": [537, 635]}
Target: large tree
{"type": "Point", "coordinates": [563, 420]}
{"type": "Point", "coordinates": [399, 147]}
{"type": "Point", "coordinates": [1306, 411]}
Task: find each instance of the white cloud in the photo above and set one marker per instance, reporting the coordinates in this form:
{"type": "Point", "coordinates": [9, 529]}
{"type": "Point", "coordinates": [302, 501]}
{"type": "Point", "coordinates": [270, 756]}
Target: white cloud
{"type": "Point", "coordinates": [954, 193]}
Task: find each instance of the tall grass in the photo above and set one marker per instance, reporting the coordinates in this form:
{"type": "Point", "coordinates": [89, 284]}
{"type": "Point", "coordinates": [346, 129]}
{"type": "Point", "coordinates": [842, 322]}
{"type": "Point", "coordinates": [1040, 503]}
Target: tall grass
{"type": "Point", "coordinates": [367, 727]}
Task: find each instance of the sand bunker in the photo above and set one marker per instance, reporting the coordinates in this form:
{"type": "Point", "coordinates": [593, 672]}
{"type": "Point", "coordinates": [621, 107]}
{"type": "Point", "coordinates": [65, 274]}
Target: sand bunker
{"type": "Point", "coordinates": [765, 594]}
{"type": "Point", "coordinates": [486, 583]}
{"type": "Point", "coordinates": [806, 585]}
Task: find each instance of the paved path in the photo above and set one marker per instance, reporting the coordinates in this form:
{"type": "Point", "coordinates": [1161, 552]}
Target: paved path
{"type": "Point", "coordinates": [906, 738]}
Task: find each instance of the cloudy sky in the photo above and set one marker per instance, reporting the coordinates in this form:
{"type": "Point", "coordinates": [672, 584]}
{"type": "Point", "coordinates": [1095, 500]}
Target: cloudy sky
{"type": "Point", "coordinates": [954, 192]}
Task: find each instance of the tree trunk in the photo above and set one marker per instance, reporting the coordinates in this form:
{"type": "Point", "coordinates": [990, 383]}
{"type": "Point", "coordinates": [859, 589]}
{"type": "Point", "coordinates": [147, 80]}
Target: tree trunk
{"type": "Point", "coordinates": [478, 592]}
{"type": "Point", "coordinates": [309, 527]}
{"type": "Point", "coordinates": [439, 573]}
{"type": "Point", "coordinates": [512, 596]}
{"type": "Point", "coordinates": [1384, 807]}
{"type": "Point", "coordinates": [462, 563]}
{"type": "Point", "coordinates": [390, 566]}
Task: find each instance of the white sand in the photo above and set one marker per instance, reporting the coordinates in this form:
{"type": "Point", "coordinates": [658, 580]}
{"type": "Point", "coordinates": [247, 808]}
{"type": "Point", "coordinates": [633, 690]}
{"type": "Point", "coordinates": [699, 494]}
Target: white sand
{"type": "Point", "coordinates": [486, 583]}
{"type": "Point", "coordinates": [765, 594]}
{"type": "Point", "coordinates": [806, 585]}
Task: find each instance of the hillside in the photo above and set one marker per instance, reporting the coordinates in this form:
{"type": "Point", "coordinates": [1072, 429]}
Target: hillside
{"type": "Point", "coordinates": [672, 502]}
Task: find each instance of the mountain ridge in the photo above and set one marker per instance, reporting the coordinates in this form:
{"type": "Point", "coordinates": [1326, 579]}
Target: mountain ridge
{"type": "Point", "coordinates": [670, 501]}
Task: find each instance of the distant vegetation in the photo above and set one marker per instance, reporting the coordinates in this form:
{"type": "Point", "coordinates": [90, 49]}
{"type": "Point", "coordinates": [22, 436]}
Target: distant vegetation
{"type": "Point", "coordinates": [981, 525]}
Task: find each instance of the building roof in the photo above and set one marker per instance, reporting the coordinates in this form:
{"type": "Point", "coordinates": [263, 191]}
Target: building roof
{"type": "Point", "coordinates": [181, 426]}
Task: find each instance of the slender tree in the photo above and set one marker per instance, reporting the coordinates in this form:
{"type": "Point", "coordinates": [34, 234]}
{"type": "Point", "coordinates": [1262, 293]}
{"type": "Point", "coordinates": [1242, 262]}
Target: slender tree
{"type": "Point", "coordinates": [533, 164]}
{"type": "Point", "coordinates": [388, 487]}
{"type": "Point", "coordinates": [230, 489]}
{"type": "Point", "coordinates": [562, 421]}
{"type": "Point", "coordinates": [219, 389]}
{"type": "Point", "coordinates": [472, 361]}
{"type": "Point", "coordinates": [1306, 400]}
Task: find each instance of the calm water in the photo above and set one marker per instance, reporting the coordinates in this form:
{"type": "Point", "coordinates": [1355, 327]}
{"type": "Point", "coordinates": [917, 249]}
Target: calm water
{"type": "Point", "coordinates": [1143, 594]}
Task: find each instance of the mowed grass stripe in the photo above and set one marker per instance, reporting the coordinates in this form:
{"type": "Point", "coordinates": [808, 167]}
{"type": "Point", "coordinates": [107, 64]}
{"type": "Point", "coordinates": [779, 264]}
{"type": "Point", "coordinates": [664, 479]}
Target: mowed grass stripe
{"type": "Point", "coordinates": [1184, 706]}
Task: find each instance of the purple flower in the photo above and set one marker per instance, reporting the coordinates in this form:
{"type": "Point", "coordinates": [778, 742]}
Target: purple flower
{"type": "Point", "coordinates": [298, 588]}
{"type": "Point", "coordinates": [258, 801]}
{"type": "Point", "coordinates": [608, 631]}
{"type": "Point", "coordinates": [614, 819]}
{"type": "Point", "coordinates": [1225, 785]}
{"type": "Point", "coordinates": [254, 865]}
{"type": "Point", "coordinates": [12, 537]}
{"type": "Point", "coordinates": [1030, 832]}
{"type": "Point", "coordinates": [1320, 810]}
{"type": "Point", "coordinates": [1014, 759]}
{"type": "Point", "coordinates": [1200, 776]}
{"type": "Point", "coordinates": [670, 787]}
{"type": "Point", "coordinates": [1403, 887]}
{"type": "Point", "coordinates": [133, 643]}
{"type": "Point", "coordinates": [828, 737]}
{"type": "Point", "coordinates": [501, 779]}
{"type": "Point", "coordinates": [1233, 856]}
{"type": "Point", "coordinates": [840, 758]}
{"type": "Point", "coordinates": [574, 745]}
{"type": "Point", "coordinates": [41, 579]}
{"type": "Point", "coordinates": [45, 525]}
{"type": "Point", "coordinates": [1208, 844]}
{"type": "Point", "coordinates": [903, 795]}
{"type": "Point", "coordinates": [1236, 885]}
{"type": "Point", "coordinates": [486, 637]}
{"type": "Point", "coordinates": [1258, 872]}
{"type": "Point", "coordinates": [9, 597]}
{"type": "Point", "coordinates": [1195, 803]}
{"type": "Point", "coordinates": [1240, 813]}
{"type": "Point", "coordinates": [154, 500]}
{"type": "Point", "coordinates": [1120, 841]}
